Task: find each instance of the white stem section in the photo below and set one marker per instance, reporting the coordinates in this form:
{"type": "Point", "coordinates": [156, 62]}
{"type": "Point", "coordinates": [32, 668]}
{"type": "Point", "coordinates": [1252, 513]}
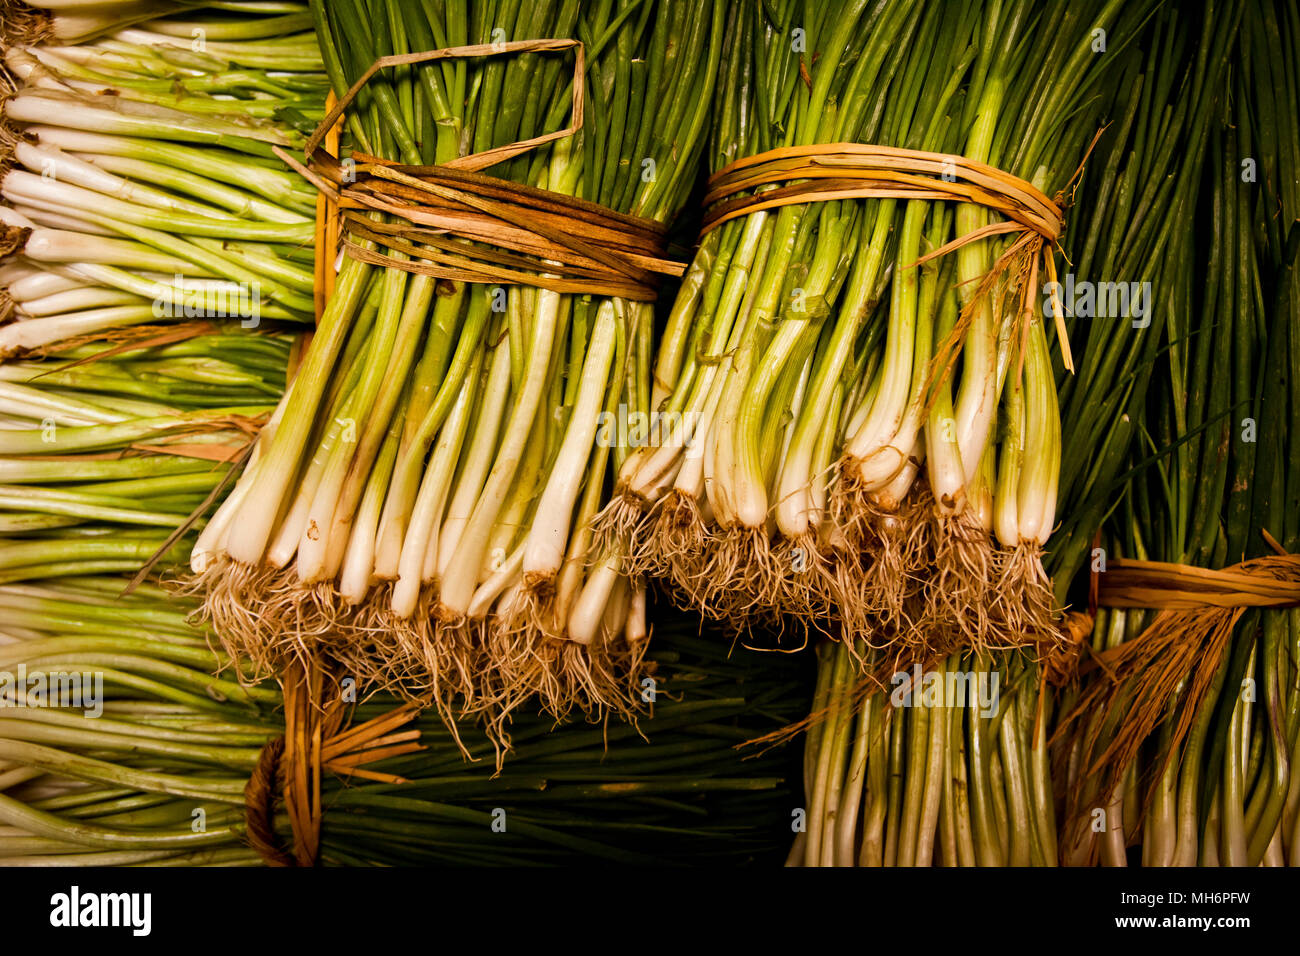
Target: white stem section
{"type": "Point", "coordinates": [1006, 498]}
{"type": "Point", "coordinates": [422, 530]}
{"type": "Point", "coordinates": [357, 572]}
{"type": "Point", "coordinates": [77, 300]}
{"type": "Point", "coordinates": [637, 630]}
{"type": "Point", "coordinates": [12, 217]}
{"type": "Point", "coordinates": [479, 460]}
{"type": "Point", "coordinates": [589, 610]}
{"type": "Point", "coordinates": [40, 283]}
{"type": "Point", "coordinates": [1042, 463]}
{"type": "Point", "coordinates": [60, 217]}
{"type": "Point", "coordinates": [272, 184]}
{"type": "Point", "coordinates": [461, 577]}
{"type": "Point", "coordinates": [40, 405]}
{"type": "Point", "coordinates": [720, 454]}
{"type": "Point", "coordinates": [892, 495]}
{"type": "Point", "coordinates": [507, 576]}
{"type": "Point", "coordinates": [58, 245]}
{"type": "Point", "coordinates": [212, 539]}
{"type": "Point", "coordinates": [16, 270]}
{"type": "Point", "coordinates": [814, 500]}
{"type": "Point", "coordinates": [50, 162]}
{"type": "Point", "coordinates": [548, 535]}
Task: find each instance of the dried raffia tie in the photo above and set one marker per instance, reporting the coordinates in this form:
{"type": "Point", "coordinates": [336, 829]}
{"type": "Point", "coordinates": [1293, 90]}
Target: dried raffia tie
{"type": "Point", "coordinates": [1270, 581]}
{"type": "Point", "coordinates": [459, 224]}
{"type": "Point", "coordinates": [1206, 602]}
{"type": "Point", "coordinates": [1198, 610]}
{"type": "Point", "coordinates": [835, 171]}
{"type": "Point", "coordinates": [327, 222]}
{"type": "Point", "coordinates": [290, 767]}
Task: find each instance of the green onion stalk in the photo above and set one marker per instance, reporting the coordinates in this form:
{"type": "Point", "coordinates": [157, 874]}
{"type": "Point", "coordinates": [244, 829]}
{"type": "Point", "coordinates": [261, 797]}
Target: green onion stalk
{"type": "Point", "coordinates": [106, 449]}
{"type": "Point", "coordinates": [1207, 766]}
{"type": "Point", "coordinates": [141, 183]}
{"type": "Point", "coordinates": [947, 766]}
{"type": "Point", "coordinates": [422, 512]}
{"type": "Point", "coordinates": [225, 21]}
{"type": "Point", "coordinates": [1153, 158]}
{"type": "Point", "coordinates": [148, 765]}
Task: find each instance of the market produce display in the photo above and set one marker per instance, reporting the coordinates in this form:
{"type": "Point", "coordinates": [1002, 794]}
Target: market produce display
{"type": "Point", "coordinates": [649, 431]}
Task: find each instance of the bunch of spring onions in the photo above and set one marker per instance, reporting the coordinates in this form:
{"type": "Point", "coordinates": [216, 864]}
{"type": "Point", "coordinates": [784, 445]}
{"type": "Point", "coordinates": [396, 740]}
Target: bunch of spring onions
{"type": "Point", "coordinates": [140, 178]}
{"type": "Point", "coordinates": [934, 781]}
{"type": "Point", "coordinates": [153, 771]}
{"type": "Point", "coordinates": [825, 467]}
{"type": "Point", "coordinates": [145, 758]}
{"type": "Point", "coordinates": [1144, 163]}
{"type": "Point", "coordinates": [422, 512]}
{"type": "Point", "coordinates": [947, 766]}
{"type": "Point", "coordinates": [1190, 743]}
{"type": "Point", "coordinates": [105, 449]}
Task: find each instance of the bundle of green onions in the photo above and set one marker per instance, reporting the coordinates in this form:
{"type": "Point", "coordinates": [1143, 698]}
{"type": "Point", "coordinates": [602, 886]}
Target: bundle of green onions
{"type": "Point", "coordinates": [117, 745]}
{"type": "Point", "coordinates": [1189, 742]}
{"type": "Point", "coordinates": [105, 449]}
{"type": "Point", "coordinates": [150, 766]}
{"type": "Point", "coordinates": [949, 762]}
{"type": "Point", "coordinates": [141, 181]}
{"type": "Point", "coordinates": [1153, 158]}
{"type": "Point", "coordinates": [421, 514]}
{"type": "Point", "coordinates": [827, 467]}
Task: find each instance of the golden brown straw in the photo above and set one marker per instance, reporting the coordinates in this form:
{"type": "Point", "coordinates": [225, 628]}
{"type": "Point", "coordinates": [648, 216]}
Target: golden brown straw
{"type": "Point", "coordinates": [860, 171]}
{"type": "Point", "coordinates": [327, 223]}
{"type": "Point", "coordinates": [1183, 646]}
{"type": "Point", "coordinates": [463, 225]}
{"type": "Point", "coordinates": [314, 741]}
{"type": "Point", "coordinates": [1270, 581]}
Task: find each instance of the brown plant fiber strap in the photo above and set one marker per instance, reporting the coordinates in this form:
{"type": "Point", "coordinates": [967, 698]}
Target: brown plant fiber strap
{"type": "Point", "coordinates": [862, 171]}
{"type": "Point", "coordinates": [289, 768]}
{"type": "Point", "coordinates": [327, 224]}
{"type": "Point", "coordinates": [1179, 651]}
{"type": "Point", "coordinates": [455, 222]}
{"type": "Point", "coordinates": [1270, 581]}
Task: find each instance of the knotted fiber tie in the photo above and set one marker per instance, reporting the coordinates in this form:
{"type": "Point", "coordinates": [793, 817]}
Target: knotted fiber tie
{"type": "Point", "coordinates": [460, 224]}
{"type": "Point", "coordinates": [1195, 604]}
{"type": "Point", "coordinates": [289, 768]}
{"type": "Point", "coordinates": [1183, 646]}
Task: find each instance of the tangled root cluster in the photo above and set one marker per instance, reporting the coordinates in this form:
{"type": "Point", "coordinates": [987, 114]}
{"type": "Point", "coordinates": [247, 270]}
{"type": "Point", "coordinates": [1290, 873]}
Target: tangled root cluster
{"type": "Point", "coordinates": [475, 670]}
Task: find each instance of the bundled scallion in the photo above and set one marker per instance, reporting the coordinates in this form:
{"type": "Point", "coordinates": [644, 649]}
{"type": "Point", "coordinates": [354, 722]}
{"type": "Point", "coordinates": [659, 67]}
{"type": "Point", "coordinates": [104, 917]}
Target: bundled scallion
{"type": "Point", "coordinates": [421, 514]}
{"type": "Point", "coordinates": [839, 385]}
{"type": "Point", "coordinates": [149, 765]}
{"type": "Point", "coordinates": [1189, 743]}
{"type": "Point", "coordinates": [141, 180]}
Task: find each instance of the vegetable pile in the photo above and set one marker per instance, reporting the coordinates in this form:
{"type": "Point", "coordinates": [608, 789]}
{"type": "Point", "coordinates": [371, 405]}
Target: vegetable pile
{"type": "Point", "coordinates": [517, 377]}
